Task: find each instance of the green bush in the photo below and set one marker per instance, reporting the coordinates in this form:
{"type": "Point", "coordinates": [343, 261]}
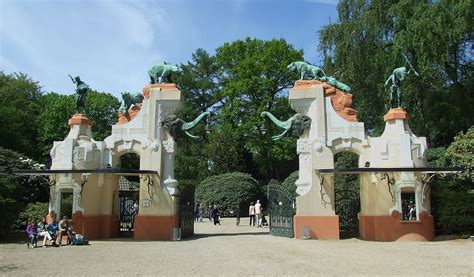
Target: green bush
{"type": "Point", "coordinates": [228, 190]}
{"type": "Point", "coordinates": [33, 211]}
{"type": "Point", "coordinates": [66, 205]}
{"type": "Point", "coordinates": [452, 203]}
{"type": "Point", "coordinates": [289, 183]}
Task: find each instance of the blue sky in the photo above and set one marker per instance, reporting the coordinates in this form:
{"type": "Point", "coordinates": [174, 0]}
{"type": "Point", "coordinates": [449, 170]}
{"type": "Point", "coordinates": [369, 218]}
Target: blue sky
{"type": "Point", "coordinates": [111, 44]}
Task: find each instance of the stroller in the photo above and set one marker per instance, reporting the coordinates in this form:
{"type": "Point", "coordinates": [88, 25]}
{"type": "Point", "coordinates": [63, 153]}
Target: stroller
{"type": "Point", "coordinates": [264, 220]}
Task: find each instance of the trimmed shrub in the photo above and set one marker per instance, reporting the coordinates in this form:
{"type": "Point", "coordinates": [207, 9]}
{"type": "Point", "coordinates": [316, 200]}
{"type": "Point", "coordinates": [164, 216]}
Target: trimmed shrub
{"type": "Point", "coordinates": [289, 184]}
{"type": "Point", "coordinates": [227, 191]}
{"type": "Point", "coordinates": [33, 211]}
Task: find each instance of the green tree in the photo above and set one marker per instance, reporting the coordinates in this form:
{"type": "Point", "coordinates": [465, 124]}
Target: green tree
{"type": "Point", "coordinates": [452, 197]}
{"type": "Point", "coordinates": [228, 190]}
{"type": "Point", "coordinates": [58, 109]}
{"type": "Point", "coordinates": [253, 78]}
{"type": "Point", "coordinates": [368, 42]}
{"type": "Point", "coordinates": [20, 107]}
{"type": "Point", "coordinates": [243, 79]}
{"type": "Point", "coordinates": [201, 89]}
{"type": "Point", "coordinates": [103, 110]}
{"type": "Point", "coordinates": [17, 191]}
{"type": "Point", "coordinates": [461, 153]}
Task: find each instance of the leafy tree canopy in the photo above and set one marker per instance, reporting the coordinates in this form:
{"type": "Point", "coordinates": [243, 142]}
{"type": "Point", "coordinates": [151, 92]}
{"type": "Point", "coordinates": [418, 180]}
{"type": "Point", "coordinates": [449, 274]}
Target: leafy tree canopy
{"type": "Point", "coordinates": [369, 41]}
{"type": "Point", "coordinates": [20, 106]}
{"type": "Point", "coordinates": [228, 190]}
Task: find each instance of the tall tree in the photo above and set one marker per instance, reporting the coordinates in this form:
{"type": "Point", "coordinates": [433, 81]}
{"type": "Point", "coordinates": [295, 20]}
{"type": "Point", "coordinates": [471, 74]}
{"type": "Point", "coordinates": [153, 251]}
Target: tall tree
{"type": "Point", "coordinates": [57, 109]}
{"type": "Point", "coordinates": [254, 77]}
{"type": "Point", "coordinates": [201, 90]}
{"type": "Point", "coordinates": [20, 106]}
{"type": "Point", "coordinates": [369, 41]}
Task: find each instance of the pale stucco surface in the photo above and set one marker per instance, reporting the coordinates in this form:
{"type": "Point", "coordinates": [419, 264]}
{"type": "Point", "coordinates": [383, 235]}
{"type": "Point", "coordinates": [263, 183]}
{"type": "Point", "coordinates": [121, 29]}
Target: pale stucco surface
{"type": "Point", "coordinates": [228, 250]}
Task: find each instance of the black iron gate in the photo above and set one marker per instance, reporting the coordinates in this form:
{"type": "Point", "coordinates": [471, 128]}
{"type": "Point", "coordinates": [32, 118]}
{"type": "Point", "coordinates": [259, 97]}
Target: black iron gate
{"type": "Point", "coordinates": [186, 211]}
{"type": "Point", "coordinates": [128, 204]}
{"type": "Point", "coordinates": [281, 207]}
{"type": "Point", "coordinates": [347, 208]}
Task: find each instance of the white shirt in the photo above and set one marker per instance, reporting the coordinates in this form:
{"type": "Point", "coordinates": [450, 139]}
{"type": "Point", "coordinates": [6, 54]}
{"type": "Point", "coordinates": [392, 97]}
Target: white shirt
{"type": "Point", "coordinates": [258, 208]}
{"type": "Point", "coordinates": [252, 210]}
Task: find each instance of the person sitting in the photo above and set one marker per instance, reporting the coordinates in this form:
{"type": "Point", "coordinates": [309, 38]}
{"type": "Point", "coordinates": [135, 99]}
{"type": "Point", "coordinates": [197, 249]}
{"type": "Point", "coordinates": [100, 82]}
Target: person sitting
{"type": "Point", "coordinates": [53, 231]}
{"type": "Point", "coordinates": [32, 231]}
{"type": "Point", "coordinates": [65, 229]}
{"type": "Point", "coordinates": [43, 230]}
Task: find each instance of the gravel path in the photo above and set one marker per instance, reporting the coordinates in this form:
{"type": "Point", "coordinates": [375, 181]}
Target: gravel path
{"type": "Point", "coordinates": [228, 250]}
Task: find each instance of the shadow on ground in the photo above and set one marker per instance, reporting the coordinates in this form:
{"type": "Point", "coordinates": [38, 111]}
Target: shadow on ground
{"type": "Point", "coordinates": [206, 235]}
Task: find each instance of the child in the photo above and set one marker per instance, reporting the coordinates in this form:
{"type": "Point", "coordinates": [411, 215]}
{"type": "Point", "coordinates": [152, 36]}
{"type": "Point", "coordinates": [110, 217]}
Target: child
{"type": "Point", "coordinates": [53, 231]}
{"type": "Point", "coordinates": [32, 230]}
{"type": "Point", "coordinates": [43, 230]}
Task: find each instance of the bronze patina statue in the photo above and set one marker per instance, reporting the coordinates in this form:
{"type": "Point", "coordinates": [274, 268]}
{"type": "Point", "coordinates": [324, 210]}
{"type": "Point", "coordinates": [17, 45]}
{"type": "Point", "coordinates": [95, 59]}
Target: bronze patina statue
{"type": "Point", "coordinates": [163, 73]}
{"type": "Point", "coordinates": [129, 99]}
{"type": "Point", "coordinates": [396, 78]}
{"type": "Point", "coordinates": [307, 71]}
{"type": "Point", "coordinates": [178, 127]}
{"type": "Point", "coordinates": [295, 125]}
{"type": "Point", "coordinates": [81, 93]}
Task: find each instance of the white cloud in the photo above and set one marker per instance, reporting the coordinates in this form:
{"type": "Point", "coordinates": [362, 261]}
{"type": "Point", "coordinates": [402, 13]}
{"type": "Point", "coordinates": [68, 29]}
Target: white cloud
{"type": "Point", "coordinates": [107, 43]}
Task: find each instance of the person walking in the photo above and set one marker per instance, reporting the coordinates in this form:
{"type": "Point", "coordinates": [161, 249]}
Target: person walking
{"type": "Point", "coordinates": [237, 215]}
{"type": "Point", "coordinates": [252, 214]}
{"type": "Point", "coordinates": [209, 210]}
{"type": "Point", "coordinates": [196, 211]}
{"type": "Point", "coordinates": [215, 215]}
{"type": "Point", "coordinates": [201, 212]}
{"type": "Point", "coordinates": [258, 214]}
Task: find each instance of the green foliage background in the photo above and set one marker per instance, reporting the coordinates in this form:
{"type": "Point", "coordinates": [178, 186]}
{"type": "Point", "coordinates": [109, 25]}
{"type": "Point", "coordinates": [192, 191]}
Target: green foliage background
{"type": "Point", "coordinates": [247, 76]}
{"type": "Point", "coordinates": [229, 190]}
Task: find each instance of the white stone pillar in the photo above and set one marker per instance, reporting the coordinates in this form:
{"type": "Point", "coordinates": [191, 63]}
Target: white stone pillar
{"type": "Point", "coordinates": [169, 182]}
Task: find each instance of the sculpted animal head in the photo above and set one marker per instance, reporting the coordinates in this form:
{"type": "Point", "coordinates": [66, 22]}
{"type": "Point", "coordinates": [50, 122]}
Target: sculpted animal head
{"type": "Point", "coordinates": [174, 124]}
{"type": "Point", "coordinates": [178, 127]}
{"type": "Point", "coordinates": [295, 124]}
{"type": "Point", "coordinates": [291, 66]}
{"type": "Point", "coordinates": [299, 123]}
{"type": "Point", "coordinates": [173, 68]}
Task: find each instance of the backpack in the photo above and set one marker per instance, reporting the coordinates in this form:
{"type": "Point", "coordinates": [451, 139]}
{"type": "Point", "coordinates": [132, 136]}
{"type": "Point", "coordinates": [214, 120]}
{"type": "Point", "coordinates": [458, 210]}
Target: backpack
{"type": "Point", "coordinates": [78, 239]}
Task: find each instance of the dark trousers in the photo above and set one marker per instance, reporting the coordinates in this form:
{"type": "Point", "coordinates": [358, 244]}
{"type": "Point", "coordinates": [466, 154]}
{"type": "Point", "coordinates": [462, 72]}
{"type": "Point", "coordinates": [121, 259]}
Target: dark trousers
{"type": "Point", "coordinates": [237, 223]}
{"type": "Point", "coordinates": [61, 234]}
{"type": "Point", "coordinates": [252, 219]}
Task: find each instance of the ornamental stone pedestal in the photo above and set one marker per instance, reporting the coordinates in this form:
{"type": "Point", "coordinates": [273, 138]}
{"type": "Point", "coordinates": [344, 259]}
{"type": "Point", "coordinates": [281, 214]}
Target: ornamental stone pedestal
{"type": "Point", "coordinates": [96, 202]}
{"type": "Point", "coordinates": [92, 213]}
{"type": "Point", "coordinates": [381, 215]}
{"type": "Point", "coordinates": [315, 203]}
{"type": "Point", "coordinates": [159, 211]}
{"type": "Point", "coordinates": [334, 128]}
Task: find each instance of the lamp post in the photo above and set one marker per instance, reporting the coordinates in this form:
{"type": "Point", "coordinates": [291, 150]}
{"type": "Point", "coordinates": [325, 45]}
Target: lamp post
{"type": "Point", "coordinates": [263, 128]}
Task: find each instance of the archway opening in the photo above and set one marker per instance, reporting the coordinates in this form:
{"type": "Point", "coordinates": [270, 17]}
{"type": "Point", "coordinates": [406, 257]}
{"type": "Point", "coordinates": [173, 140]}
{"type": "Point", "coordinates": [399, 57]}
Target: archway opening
{"type": "Point", "coordinates": [128, 195]}
{"type": "Point", "coordinates": [66, 203]}
{"type": "Point", "coordinates": [347, 195]}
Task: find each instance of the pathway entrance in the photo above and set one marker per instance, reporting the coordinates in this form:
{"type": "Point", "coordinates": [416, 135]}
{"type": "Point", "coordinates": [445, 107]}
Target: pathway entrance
{"type": "Point", "coordinates": [128, 200]}
{"type": "Point", "coordinates": [227, 229]}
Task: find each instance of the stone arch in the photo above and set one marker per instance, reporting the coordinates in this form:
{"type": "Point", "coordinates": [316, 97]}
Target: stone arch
{"type": "Point", "coordinates": [120, 147]}
{"type": "Point", "coordinates": [353, 145]}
